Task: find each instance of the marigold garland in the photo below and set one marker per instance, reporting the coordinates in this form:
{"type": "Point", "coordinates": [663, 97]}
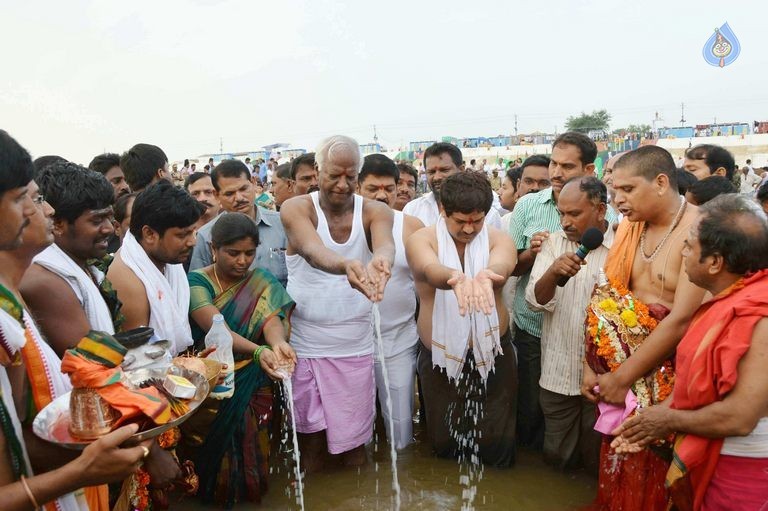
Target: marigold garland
{"type": "Point", "coordinates": [138, 488]}
{"type": "Point", "coordinates": [617, 323]}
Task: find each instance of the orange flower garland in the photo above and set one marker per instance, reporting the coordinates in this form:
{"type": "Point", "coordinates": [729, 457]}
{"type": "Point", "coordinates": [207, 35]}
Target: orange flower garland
{"type": "Point", "coordinates": [617, 324]}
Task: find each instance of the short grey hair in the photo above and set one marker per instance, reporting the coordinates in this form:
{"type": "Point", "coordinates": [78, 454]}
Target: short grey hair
{"type": "Point", "coordinates": [337, 144]}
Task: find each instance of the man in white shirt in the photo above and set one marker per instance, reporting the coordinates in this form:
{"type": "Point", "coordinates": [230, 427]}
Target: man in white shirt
{"type": "Point", "coordinates": [749, 180]}
{"type": "Point", "coordinates": [441, 160]}
{"type": "Point", "coordinates": [569, 418]}
{"type": "Point", "coordinates": [378, 180]}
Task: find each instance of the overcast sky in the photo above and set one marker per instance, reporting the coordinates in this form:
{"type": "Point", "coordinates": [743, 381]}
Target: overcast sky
{"type": "Point", "coordinates": [82, 77]}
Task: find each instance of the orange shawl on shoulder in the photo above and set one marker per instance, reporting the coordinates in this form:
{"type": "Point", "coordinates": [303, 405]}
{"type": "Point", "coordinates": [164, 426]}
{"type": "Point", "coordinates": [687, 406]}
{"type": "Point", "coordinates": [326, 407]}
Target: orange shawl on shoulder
{"type": "Point", "coordinates": [621, 257]}
{"type": "Point", "coordinates": [708, 356]}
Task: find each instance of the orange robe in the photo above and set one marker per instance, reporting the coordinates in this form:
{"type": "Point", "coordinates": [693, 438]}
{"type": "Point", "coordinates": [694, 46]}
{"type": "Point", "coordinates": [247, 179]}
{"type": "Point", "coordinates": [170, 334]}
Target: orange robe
{"type": "Point", "coordinates": [707, 362]}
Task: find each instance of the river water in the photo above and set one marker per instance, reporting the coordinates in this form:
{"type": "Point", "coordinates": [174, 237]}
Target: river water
{"type": "Point", "coordinates": [427, 483]}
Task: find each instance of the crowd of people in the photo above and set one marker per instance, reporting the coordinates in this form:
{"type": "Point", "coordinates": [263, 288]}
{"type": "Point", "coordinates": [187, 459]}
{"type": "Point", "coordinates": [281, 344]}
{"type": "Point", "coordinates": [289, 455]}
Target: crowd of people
{"type": "Point", "coordinates": [616, 324]}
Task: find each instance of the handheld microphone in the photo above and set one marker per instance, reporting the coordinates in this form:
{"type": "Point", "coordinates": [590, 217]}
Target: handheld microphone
{"type": "Point", "coordinates": [590, 240]}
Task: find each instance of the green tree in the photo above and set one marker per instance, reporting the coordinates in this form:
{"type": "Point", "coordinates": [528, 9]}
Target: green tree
{"type": "Point", "coordinates": [634, 128]}
{"type": "Point", "coordinates": [597, 120]}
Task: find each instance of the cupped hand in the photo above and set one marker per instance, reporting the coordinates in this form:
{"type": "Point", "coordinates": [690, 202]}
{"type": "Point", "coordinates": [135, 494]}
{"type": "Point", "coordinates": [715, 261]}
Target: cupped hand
{"type": "Point", "coordinates": [483, 289]}
{"type": "Point", "coordinates": [280, 358]}
{"type": "Point", "coordinates": [358, 278]}
{"type": "Point", "coordinates": [379, 271]}
{"type": "Point", "coordinates": [269, 364]}
{"type": "Point", "coordinates": [646, 426]}
{"type": "Point", "coordinates": [463, 288]}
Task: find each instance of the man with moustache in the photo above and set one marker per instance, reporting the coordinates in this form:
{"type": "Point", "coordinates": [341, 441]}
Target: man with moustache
{"type": "Point", "coordinates": [719, 408]}
{"type": "Point", "coordinates": [378, 180]}
{"type": "Point", "coordinates": [406, 185]}
{"type": "Point", "coordinates": [466, 362]}
{"type": "Point", "coordinates": [535, 216]}
{"type": "Point", "coordinates": [440, 160]}
{"type": "Point", "coordinates": [32, 387]}
{"type": "Point", "coordinates": [102, 461]}
{"type": "Point", "coordinates": [569, 438]}
{"type": "Point", "coordinates": [304, 174]}
{"type": "Point", "coordinates": [339, 257]}
{"type": "Point", "coordinates": [282, 185]}
{"type": "Point", "coordinates": [200, 187]}
{"type": "Point", "coordinates": [147, 271]}
{"type": "Point", "coordinates": [531, 177]}
{"type": "Point", "coordinates": [236, 193]}
{"type": "Point", "coordinates": [64, 290]}
{"type": "Point", "coordinates": [108, 165]}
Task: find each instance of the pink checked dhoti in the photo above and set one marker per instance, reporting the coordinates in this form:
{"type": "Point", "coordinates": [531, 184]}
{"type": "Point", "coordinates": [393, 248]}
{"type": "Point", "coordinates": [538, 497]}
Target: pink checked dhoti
{"type": "Point", "coordinates": [336, 395]}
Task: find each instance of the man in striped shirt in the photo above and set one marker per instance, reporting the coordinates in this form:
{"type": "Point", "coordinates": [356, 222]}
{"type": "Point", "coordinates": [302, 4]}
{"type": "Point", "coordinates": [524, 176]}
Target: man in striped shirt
{"type": "Point", "coordinates": [535, 216]}
{"type": "Point", "coordinates": [569, 418]}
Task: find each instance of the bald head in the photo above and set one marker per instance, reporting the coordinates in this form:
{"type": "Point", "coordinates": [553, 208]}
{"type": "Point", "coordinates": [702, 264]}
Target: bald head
{"type": "Point", "coordinates": [649, 162]}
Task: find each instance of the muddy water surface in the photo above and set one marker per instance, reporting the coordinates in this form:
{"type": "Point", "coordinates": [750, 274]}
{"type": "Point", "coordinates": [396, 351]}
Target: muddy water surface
{"type": "Point", "coordinates": [427, 483]}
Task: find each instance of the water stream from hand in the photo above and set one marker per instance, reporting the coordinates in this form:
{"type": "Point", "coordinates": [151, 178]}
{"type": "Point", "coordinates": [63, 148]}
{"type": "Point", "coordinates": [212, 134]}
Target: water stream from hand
{"type": "Point", "coordinates": [388, 405]}
{"type": "Point", "coordinates": [288, 387]}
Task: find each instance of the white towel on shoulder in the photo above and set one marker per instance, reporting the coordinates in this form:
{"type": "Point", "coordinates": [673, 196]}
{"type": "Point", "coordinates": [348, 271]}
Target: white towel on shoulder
{"type": "Point", "coordinates": [168, 295]}
{"type": "Point", "coordinates": [452, 332]}
{"type": "Point", "coordinates": [56, 260]}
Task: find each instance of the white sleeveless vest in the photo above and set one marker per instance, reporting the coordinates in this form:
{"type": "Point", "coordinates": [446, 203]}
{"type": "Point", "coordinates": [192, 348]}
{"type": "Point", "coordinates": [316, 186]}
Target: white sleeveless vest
{"type": "Point", "coordinates": [331, 318]}
{"type": "Point", "coordinates": [398, 308]}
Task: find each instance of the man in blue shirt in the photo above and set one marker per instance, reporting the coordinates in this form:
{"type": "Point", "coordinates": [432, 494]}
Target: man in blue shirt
{"type": "Point", "coordinates": [236, 193]}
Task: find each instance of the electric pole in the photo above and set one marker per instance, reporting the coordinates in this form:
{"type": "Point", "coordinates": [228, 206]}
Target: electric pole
{"type": "Point", "coordinates": [515, 124]}
{"type": "Point", "coordinates": [682, 114]}
{"type": "Point", "coordinates": [221, 145]}
{"type": "Point", "coordinates": [375, 136]}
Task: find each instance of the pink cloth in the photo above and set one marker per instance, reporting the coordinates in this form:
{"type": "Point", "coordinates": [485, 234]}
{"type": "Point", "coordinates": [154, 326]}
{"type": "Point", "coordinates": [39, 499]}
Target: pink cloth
{"type": "Point", "coordinates": [611, 416]}
{"type": "Point", "coordinates": [336, 395]}
{"type": "Point", "coordinates": [738, 484]}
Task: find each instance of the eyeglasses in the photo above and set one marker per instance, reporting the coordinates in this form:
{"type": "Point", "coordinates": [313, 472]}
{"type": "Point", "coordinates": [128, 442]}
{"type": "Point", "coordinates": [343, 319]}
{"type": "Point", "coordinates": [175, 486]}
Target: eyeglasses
{"type": "Point", "coordinates": [38, 201]}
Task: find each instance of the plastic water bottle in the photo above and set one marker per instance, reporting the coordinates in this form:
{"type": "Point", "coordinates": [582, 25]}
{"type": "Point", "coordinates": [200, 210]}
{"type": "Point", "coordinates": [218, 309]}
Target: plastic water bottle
{"type": "Point", "coordinates": [220, 337]}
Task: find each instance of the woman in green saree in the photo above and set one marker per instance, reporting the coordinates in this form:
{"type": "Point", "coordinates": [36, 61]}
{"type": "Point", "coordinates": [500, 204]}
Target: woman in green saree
{"type": "Point", "coordinates": [233, 434]}
{"type": "Point", "coordinates": [263, 197]}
